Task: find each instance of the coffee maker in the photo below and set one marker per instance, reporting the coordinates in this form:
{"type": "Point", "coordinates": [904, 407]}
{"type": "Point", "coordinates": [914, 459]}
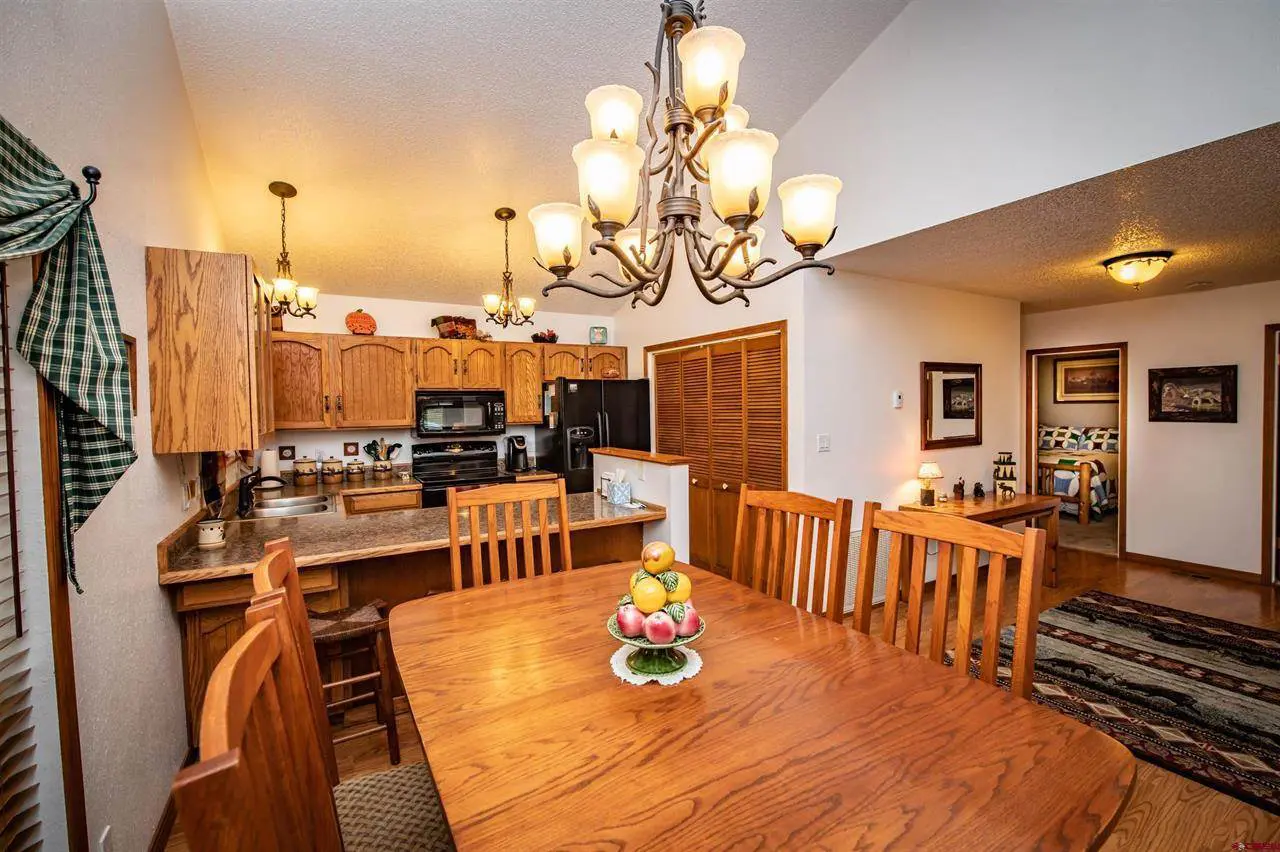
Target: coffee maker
{"type": "Point", "coordinates": [517, 454]}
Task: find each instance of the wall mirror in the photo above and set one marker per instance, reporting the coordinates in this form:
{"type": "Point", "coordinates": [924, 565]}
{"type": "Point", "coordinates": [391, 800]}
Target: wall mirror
{"type": "Point", "coordinates": [950, 405]}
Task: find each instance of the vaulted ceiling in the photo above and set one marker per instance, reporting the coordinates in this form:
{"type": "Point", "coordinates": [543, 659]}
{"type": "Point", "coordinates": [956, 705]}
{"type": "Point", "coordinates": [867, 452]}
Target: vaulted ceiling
{"type": "Point", "coordinates": [405, 123]}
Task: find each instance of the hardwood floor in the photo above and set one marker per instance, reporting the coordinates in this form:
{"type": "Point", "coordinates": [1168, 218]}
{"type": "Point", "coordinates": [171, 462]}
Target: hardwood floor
{"type": "Point", "coordinates": [1167, 812]}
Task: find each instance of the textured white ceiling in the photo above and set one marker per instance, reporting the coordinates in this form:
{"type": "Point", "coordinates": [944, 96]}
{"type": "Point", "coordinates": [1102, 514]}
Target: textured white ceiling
{"type": "Point", "coordinates": [1214, 206]}
{"type": "Point", "coordinates": [405, 123]}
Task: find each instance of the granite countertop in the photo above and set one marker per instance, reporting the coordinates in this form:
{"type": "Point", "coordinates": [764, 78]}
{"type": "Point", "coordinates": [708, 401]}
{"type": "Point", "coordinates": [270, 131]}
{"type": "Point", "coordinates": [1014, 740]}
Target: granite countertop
{"type": "Point", "coordinates": [333, 537]}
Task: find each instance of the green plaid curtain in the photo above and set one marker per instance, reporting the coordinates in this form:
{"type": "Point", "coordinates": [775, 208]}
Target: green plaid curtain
{"type": "Point", "coordinates": [70, 332]}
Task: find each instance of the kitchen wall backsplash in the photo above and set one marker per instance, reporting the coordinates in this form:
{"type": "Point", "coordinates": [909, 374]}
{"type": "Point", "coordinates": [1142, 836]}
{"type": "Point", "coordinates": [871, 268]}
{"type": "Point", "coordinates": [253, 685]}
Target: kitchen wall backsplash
{"type": "Point", "coordinates": [320, 444]}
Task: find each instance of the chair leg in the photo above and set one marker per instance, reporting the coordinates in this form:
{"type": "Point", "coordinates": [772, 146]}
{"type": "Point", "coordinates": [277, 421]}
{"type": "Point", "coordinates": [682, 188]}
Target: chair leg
{"type": "Point", "coordinates": [386, 708]}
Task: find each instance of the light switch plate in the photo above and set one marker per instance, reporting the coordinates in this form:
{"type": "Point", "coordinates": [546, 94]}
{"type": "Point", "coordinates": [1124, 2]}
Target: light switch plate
{"type": "Point", "coordinates": [824, 442]}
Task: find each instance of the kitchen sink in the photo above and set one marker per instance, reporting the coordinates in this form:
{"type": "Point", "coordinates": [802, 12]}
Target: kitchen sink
{"type": "Point", "coordinates": [289, 507]}
{"type": "Point", "coordinates": [278, 502]}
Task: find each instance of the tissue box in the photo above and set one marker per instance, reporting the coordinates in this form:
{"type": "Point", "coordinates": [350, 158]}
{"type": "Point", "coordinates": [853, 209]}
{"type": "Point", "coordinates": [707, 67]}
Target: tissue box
{"type": "Point", "coordinates": [619, 492]}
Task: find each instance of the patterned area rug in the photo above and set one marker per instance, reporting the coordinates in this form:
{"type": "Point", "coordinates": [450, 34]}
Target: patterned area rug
{"type": "Point", "coordinates": [1195, 695]}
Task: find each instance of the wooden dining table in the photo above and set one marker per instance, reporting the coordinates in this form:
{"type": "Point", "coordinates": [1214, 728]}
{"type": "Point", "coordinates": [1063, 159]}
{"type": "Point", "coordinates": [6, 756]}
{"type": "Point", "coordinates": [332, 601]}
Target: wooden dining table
{"type": "Point", "coordinates": [798, 733]}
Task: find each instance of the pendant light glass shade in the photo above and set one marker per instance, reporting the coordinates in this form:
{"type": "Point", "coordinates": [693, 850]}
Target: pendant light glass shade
{"type": "Point", "coordinates": [285, 289]}
{"type": "Point", "coordinates": [809, 207]}
{"type": "Point", "coordinates": [526, 306]}
{"type": "Point", "coordinates": [557, 229]}
{"type": "Point", "coordinates": [735, 118]}
{"type": "Point", "coordinates": [615, 113]}
{"type": "Point", "coordinates": [740, 161]}
{"type": "Point", "coordinates": [608, 174]}
{"type": "Point", "coordinates": [737, 263]}
{"type": "Point", "coordinates": [630, 242]}
{"type": "Point", "coordinates": [492, 302]}
{"type": "Point", "coordinates": [709, 59]}
{"type": "Point", "coordinates": [1137, 268]}
{"type": "Point", "coordinates": [307, 297]}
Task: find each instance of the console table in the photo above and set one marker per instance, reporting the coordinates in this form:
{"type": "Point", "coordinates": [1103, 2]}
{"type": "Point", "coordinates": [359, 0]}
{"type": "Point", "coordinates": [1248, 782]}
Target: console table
{"type": "Point", "coordinates": [1035, 509]}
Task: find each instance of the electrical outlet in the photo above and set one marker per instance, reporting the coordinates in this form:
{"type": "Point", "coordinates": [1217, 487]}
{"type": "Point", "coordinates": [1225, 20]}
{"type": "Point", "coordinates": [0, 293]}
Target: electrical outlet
{"type": "Point", "coordinates": [105, 843]}
{"type": "Point", "coordinates": [824, 442]}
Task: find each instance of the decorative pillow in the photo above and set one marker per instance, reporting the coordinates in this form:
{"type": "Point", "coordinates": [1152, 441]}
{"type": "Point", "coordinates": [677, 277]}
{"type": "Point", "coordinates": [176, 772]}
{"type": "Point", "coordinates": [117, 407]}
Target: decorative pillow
{"type": "Point", "coordinates": [1101, 439]}
{"type": "Point", "coordinates": [1044, 437]}
{"type": "Point", "coordinates": [1061, 438]}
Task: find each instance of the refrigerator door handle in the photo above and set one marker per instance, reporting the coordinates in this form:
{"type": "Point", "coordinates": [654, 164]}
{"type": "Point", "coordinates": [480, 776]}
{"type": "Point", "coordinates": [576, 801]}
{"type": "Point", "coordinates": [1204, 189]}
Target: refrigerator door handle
{"type": "Point", "coordinates": [599, 430]}
{"type": "Point", "coordinates": [608, 436]}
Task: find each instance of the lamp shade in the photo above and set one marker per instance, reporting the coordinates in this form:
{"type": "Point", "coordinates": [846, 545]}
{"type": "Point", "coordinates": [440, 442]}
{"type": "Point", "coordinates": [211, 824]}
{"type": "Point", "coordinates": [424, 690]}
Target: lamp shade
{"type": "Point", "coordinates": [737, 264]}
{"type": "Point", "coordinates": [1137, 268]}
{"type": "Point", "coordinates": [740, 161]}
{"type": "Point", "coordinates": [557, 229]}
{"type": "Point", "coordinates": [929, 470]}
{"type": "Point", "coordinates": [608, 174]}
{"type": "Point", "coordinates": [526, 306]}
{"type": "Point", "coordinates": [629, 241]}
{"type": "Point", "coordinates": [709, 59]}
{"type": "Point", "coordinates": [307, 297]}
{"type": "Point", "coordinates": [492, 303]}
{"type": "Point", "coordinates": [809, 207]}
{"type": "Point", "coordinates": [285, 289]}
{"type": "Point", "coordinates": [615, 112]}
{"type": "Point", "coordinates": [735, 118]}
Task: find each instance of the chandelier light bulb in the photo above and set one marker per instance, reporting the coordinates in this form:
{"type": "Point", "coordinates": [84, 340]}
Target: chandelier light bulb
{"type": "Point", "coordinates": [615, 113]}
{"type": "Point", "coordinates": [709, 58]}
{"type": "Point", "coordinates": [740, 162]}
{"type": "Point", "coordinates": [737, 264]}
{"type": "Point", "coordinates": [557, 228]}
{"type": "Point", "coordinates": [809, 207]}
{"type": "Point", "coordinates": [609, 175]}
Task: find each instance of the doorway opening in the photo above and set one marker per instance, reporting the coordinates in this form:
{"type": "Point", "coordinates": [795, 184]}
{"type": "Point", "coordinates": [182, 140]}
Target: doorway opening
{"type": "Point", "coordinates": [1270, 571]}
{"type": "Point", "coordinates": [1076, 439]}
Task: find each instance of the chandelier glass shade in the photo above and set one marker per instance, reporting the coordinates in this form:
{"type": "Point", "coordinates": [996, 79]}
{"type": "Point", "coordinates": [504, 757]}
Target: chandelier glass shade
{"type": "Point", "coordinates": [701, 137]}
{"type": "Point", "coordinates": [503, 308]}
{"type": "Point", "coordinates": [283, 293]}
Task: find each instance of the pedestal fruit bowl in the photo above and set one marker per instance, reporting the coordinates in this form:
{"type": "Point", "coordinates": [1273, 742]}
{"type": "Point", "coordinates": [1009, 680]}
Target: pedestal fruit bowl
{"type": "Point", "coordinates": [657, 616]}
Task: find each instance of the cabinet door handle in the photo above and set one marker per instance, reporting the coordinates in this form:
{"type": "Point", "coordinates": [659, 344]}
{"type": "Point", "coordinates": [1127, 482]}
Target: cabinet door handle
{"type": "Point", "coordinates": [724, 486]}
{"type": "Point", "coordinates": [455, 366]}
{"type": "Point", "coordinates": [584, 366]}
{"type": "Point", "coordinates": [693, 481]}
{"type": "Point", "coordinates": [326, 403]}
{"type": "Point", "coordinates": [339, 402]}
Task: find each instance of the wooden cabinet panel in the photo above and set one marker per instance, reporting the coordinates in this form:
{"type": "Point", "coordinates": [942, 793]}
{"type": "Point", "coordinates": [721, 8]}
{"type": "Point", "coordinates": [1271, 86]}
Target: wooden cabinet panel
{"type": "Point", "coordinates": [381, 501]}
{"type": "Point", "coordinates": [201, 347]}
{"type": "Point", "coordinates": [303, 398]}
{"type": "Point", "coordinates": [766, 420]}
{"type": "Point", "coordinates": [728, 446]}
{"type": "Point", "coordinates": [481, 365]}
{"type": "Point", "coordinates": [264, 400]}
{"type": "Point", "coordinates": [694, 400]}
{"type": "Point", "coordinates": [523, 363]}
{"type": "Point", "coordinates": [436, 364]}
{"type": "Point", "coordinates": [560, 361]}
{"type": "Point", "coordinates": [668, 411]}
{"type": "Point", "coordinates": [606, 362]}
{"type": "Point", "coordinates": [373, 381]}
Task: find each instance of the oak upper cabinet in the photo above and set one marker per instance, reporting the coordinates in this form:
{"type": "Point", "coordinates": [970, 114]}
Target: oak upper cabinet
{"type": "Point", "coordinates": [205, 345]}
{"type": "Point", "coordinates": [301, 381]}
{"type": "Point", "coordinates": [606, 362]}
{"type": "Point", "coordinates": [436, 364]}
{"type": "Point", "coordinates": [523, 369]}
{"type": "Point", "coordinates": [560, 361]}
{"type": "Point", "coordinates": [481, 364]}
{"type": "Point", "coordinates": [373, 381]}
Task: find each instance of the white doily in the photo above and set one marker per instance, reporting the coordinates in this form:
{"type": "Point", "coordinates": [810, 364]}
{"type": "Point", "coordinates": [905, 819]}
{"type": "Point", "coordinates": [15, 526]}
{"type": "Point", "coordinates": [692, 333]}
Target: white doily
{"type": "Point", "coordinates": [619, 663]}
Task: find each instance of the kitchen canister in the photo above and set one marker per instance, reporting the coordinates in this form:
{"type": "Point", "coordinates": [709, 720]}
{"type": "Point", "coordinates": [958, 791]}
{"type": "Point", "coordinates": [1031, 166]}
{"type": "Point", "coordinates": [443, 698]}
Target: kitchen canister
{"type": "Point", "coordinates": [211, 534]}
{"type": "Point", "coordinates": [304, 472]}
{"type": "Point", "coordinates": [331, 471]}
{"type": "Point", "coordinates": [355, 471]}
{"type": "Point", "coordinates": [382, 469]}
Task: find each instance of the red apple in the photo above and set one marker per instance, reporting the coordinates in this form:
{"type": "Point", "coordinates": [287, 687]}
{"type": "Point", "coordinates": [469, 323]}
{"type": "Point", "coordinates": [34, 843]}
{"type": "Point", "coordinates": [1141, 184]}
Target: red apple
{"type": "Point", "coordinates": [688, 625]}
{"type": "Point", "coordinates": [659, 628]}
{"type": "Point", "coordinates": [630, 620]}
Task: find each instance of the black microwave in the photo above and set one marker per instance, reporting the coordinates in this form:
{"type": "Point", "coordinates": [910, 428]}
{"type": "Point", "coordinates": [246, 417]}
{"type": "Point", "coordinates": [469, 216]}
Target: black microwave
{"type": "Point", "coordinates": [450, 413]}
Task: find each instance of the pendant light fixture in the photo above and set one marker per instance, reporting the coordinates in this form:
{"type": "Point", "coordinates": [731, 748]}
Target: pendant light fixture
{"type": "Point", "coordinates": [502, 308]}
{"type": "Point", "coordinates": [284, 294]}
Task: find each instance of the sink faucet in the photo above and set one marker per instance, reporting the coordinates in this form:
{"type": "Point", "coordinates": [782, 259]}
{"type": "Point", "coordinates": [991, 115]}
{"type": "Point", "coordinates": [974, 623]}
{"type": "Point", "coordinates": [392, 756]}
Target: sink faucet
{"type": "Point", "coordinates": [244, 501]}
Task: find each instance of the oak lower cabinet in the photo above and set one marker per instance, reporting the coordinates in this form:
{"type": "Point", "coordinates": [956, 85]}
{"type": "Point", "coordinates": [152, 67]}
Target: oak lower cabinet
{"type": "Point", "coordinates": [563, 361]}
{"type": "Point", "coordinates": [301, 378]}
{"type": "Point", "coordinates": [372, 381]}
{"type": "Point", "coordinates": [436, 364]}
{"type": "Point", "coordinates": [481, 364]}
{"type": "Point", "coordinates": [208, 333]}
{"type": "Point", "coordinates": [606, 362]}
{"type": "Point", "coordinates": [523, 374]}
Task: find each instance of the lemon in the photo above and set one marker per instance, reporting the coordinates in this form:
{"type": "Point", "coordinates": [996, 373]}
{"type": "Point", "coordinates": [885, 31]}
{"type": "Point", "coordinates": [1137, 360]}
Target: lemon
{"type": "Point", "coordinates": [683, 589]}
{"type": "Point", "coordinates": [649, 595]}
{"type": "Point", "coordinates": [639, 575]}
{"type": "Point", "coordinates": [657, 557]}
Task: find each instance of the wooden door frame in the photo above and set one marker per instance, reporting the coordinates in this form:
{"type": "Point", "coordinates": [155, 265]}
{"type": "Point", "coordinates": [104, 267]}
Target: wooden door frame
{"type": "Point", "coordinates": [1032, 417]}
{"type": "Point", "coordinates": [1269, 572]}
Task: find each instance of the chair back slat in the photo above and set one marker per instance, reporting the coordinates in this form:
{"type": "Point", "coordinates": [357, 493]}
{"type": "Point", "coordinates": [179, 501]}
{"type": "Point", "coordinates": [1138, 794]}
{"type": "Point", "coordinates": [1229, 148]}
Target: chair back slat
{"type": "Point", "coordinates": [959, 540]}
{"type": "Point", "coordinates": [500, 534]}
{"type": "Point", "coordinates": [793, 547]}
{"type": "Point", "coordinates": [277, 574]}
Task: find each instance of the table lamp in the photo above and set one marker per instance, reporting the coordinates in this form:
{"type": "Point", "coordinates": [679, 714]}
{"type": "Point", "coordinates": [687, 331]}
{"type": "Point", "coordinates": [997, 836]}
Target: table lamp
{"type": "Point", "coordinates": [929, 471]}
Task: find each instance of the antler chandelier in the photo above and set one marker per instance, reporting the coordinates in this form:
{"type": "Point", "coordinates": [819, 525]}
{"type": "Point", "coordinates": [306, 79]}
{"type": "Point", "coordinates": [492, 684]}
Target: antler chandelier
{"type": "Point", "coordinates": [704, 138]}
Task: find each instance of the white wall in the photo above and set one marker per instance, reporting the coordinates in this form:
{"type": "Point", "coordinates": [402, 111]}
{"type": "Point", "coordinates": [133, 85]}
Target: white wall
{"type": "Point", "coordinates": [91, 85]}
{"type": "Point", "coordinates": [1192, 488]}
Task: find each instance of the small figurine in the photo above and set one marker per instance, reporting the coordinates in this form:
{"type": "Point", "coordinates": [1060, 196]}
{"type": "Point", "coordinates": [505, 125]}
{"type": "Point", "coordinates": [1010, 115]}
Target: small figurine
{"type": "Point", "coordinates": [1007, 491]}
{"type": "Point", "coordinates": [958, 489]}
{"type": "Point", "coordinates": [978, 491]}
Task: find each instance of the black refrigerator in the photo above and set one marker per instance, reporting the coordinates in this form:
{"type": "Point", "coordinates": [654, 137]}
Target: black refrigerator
{"type": "Point", "coordinates": [580, 414]}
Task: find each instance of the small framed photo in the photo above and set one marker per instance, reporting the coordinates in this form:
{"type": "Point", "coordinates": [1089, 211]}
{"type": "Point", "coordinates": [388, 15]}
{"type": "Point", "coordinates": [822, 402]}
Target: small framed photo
{"type": "Point", "coordinates": [598, 336]}
{"type": "Point", "coordinates": [350, 448]}
{"type": "Point", "coordinates": [1192, 394]}
{"type": "Point", "coordinates": [958, 396]}
{"type": "Point", "coordinates": [1078, 379]}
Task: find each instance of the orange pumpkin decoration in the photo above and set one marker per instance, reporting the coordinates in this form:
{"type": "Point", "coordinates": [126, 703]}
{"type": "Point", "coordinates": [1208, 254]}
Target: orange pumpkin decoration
{"type": "Point", "coordinates": [358, 322]}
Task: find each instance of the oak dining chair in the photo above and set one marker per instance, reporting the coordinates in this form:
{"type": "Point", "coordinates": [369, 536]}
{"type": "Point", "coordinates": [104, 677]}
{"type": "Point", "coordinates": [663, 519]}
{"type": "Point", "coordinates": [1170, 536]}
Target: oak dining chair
{"type": "Point", "coordinates": [492, 532]}
{"type": "Point", "coordinates": [794, 547]}
{"type": "Point", "coordinates": [343, 634]}
{"type": "Point", "coordinates": [958, 540]}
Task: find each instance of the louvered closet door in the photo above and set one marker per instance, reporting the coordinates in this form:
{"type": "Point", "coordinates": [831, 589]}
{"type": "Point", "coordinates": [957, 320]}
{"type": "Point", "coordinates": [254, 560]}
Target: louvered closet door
{"type": "Point", "coordinates": [766, 420]}
{"type": "Point", "coordinates": [668, 413]}
{"type": "Point", "coordinates": [695, 405]}
{"type": "Point", "coordinates": [728, 448]}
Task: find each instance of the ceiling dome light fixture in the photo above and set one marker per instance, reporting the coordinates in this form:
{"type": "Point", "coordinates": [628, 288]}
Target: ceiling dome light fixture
{"type": "Point", "coordinates": [1137, 268]}
{"type": "Point", "coordinates": [704, 138]}
{"type": "Point", "coordinates": [284, 294]}
{"type": "Point", "coordinates": [502, 308]}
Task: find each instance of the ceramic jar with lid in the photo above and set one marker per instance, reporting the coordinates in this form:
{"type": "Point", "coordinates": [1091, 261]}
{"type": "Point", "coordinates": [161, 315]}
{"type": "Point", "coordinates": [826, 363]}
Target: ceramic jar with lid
{"type": "Point", "coordinates": [382, 469]}
{"type": "Point", "coordinates": [355, 471]}
{"type": "Point", "coordinates": [331, 471]}
{"type": "Point", "coordinates": [304, 472]}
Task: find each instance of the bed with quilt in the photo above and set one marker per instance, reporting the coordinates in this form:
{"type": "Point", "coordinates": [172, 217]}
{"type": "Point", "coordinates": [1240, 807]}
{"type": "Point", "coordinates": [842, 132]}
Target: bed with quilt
{"type": "Point", "coordinates": [1079, 465]}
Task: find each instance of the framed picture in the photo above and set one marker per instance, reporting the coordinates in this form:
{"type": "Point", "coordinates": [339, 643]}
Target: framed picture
{"type": "Point", "coordinates": [1192, 394]}
{"type": "Point", "coordinates": [1086, 380]}
{"type": "Point", "coordinates": [958, 398]}
{"type": "Point", "coordinates": [598, 336]}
